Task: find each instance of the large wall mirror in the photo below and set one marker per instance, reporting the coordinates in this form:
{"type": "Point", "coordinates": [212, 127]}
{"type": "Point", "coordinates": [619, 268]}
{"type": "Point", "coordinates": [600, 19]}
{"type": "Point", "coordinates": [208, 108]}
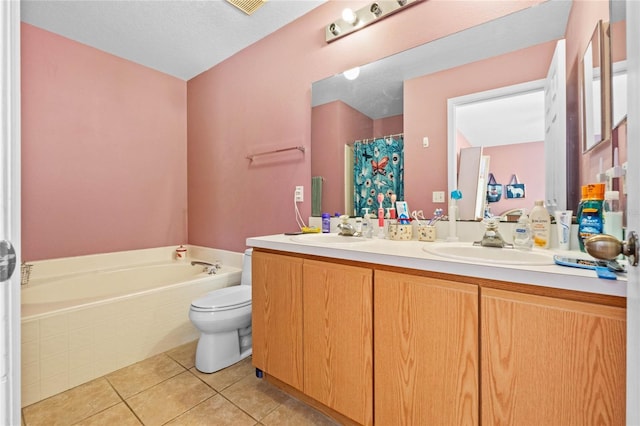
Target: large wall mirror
{"type": "Point", "coordinates": [380, 93]}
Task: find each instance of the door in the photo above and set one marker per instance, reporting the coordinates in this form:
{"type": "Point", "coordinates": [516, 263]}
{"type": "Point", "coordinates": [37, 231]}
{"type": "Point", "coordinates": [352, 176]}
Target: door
{"type": "Point", "coordinates": [633, 209]}
{"type": "Point", "coordinates": [555, 131]}
{"type": "Point", "coordinates": [10, 213]}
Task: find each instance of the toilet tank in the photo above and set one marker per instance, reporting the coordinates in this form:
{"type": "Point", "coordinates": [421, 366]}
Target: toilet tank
{"type": "Point", "coordinates": [246, 267]}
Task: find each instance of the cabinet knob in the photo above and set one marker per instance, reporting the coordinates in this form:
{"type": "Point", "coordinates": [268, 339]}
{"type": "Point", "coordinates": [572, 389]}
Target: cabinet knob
{"type": "Point", "coordinates": [607, 247]}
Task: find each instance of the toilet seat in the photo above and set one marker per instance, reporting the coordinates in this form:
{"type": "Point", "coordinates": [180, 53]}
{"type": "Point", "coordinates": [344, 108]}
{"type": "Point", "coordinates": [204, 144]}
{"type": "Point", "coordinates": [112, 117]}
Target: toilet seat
{"type": "Point", "coordinates": [223, 299]}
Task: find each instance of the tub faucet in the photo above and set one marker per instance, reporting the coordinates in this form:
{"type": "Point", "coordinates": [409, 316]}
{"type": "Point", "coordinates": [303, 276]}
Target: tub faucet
{"type": "Point", "coordinates": [209, 268]}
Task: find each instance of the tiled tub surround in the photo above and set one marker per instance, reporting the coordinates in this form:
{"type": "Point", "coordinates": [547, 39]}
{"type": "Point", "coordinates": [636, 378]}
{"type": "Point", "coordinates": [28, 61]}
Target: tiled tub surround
{"type": "Point", "coordinates": [73, 335]}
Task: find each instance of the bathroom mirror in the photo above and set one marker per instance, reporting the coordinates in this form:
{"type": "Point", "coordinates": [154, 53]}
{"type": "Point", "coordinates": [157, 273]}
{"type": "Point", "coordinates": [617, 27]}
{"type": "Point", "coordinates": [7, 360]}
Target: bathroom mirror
{"type": "Point", "coordinates": [618, 43]}
{"type": "Point", "coordinates": [378, 92]}
{"type": "Point", "coordinates": [596, 89]}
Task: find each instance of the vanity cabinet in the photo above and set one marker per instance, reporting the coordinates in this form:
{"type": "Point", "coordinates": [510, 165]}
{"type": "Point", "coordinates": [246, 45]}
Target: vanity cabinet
{"type": "Point", "coordinates": [313, 330]}
{"type": "Point", "coordinates": [550, 361]}
{"type": "Point", "coordinates": [425, 351]}
{"type": "Point", "coordinates": [277, 316]}
{"type": "Point", "coordinates": [338, 338]}
{"type": "Point", "coordinates": [371, 344]}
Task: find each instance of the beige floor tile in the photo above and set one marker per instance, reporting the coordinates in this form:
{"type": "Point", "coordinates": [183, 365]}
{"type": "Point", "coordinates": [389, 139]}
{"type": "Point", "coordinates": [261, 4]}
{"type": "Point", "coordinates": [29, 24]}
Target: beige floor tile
{"type": "Point", "coordinates": [295, 413]}
{"type": "Point", "coordinates": [142, 375]}
{"type": "Point", "coordinates": [73, 405]}
{"type": "Point", "coordinates": [224, 378]}
{"type": "Point", "coordinates": [117, 415]}
{"type": "Point", "coordinates": [215, 411]}
{"type": "Point", "coordinates": [185, 355]}
{"type": "Point", "coordinates": [169, 399]}
{"type": "Point", "coordinates": [255, 396]}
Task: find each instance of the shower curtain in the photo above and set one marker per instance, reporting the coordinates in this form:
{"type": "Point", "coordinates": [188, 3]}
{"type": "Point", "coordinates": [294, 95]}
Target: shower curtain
{"type": "Point", "coordinates": [378, 168]}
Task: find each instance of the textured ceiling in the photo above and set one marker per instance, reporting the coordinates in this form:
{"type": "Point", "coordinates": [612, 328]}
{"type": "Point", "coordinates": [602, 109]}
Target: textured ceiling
{"type": "Point", "coordinates": [182, 38]}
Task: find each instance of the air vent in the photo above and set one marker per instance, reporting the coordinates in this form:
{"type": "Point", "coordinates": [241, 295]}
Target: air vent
{"type": "Point", "coordinates": [247, 6]}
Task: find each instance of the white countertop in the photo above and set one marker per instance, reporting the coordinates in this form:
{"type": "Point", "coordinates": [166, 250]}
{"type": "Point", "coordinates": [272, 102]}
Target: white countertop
{"type": "Point", "coordinates": [410, 254]}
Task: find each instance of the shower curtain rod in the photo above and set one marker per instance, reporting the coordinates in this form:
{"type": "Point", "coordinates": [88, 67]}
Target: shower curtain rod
{"type": "Point", "coordinates": [379, 137]}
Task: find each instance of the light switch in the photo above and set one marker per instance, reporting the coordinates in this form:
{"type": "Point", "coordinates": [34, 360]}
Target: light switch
{"type": "Point", "coordinates": [425, 142]}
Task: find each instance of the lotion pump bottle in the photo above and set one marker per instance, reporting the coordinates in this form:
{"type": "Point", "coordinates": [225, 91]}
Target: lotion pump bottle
{"type": "Point", "coordinates": [540, 225]}
{"type": "Point", "coordinates": [522, 234]}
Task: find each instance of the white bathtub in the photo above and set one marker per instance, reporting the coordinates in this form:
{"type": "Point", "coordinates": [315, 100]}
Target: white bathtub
{"type": "Point", "coordinates": [87, 316]}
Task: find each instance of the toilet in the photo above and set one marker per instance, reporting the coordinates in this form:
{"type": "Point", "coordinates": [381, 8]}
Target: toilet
{"type": "Point", "coordinates": [224, 319]}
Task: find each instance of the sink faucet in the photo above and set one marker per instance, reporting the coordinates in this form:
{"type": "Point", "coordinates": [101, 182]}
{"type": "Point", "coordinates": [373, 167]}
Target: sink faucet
{"type": "Point", "coordinates": [492, 237]}
{"type": "Point", "coordinates": [209, 268]}
{"type": "Point", "coordinates": [346, 229]}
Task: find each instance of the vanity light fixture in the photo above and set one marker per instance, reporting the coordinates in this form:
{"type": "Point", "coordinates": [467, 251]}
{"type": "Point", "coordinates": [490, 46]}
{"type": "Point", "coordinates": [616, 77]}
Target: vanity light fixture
{"type": "Point", "coordinates": [354, 20]}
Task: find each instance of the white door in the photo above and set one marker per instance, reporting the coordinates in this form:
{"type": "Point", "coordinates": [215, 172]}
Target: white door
{"type": "Point", "coordinates": [555, 131]}
{"type": "Point", "coordinates": [10, 213]}
{"type": "Point", "coordinates": [633, 209]}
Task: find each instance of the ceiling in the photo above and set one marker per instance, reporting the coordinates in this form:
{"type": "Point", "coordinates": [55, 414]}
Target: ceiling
{"type": "Point", "coordinates": [182, 38]}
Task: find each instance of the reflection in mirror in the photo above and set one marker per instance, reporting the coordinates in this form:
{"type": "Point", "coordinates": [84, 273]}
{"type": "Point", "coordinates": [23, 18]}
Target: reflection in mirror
{"type": "Point", "coordinates": [595, 89]}
{"type": "Point", "coordinates": [515, 151]}
{"type": "Point", "coordinates": [379, 92]}
{"type": "Point", "coordinates": [618, 42]}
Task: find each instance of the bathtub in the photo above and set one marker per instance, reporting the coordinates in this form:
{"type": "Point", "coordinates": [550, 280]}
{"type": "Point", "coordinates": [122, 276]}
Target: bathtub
{"type": "Point", "coordinates": [86, 316]}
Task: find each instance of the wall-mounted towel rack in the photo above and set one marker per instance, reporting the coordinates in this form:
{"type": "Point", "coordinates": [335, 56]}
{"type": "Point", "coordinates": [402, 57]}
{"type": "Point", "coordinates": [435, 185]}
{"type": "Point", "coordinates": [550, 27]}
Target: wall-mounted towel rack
{"type": "Point", "coordinates": [275, 151]}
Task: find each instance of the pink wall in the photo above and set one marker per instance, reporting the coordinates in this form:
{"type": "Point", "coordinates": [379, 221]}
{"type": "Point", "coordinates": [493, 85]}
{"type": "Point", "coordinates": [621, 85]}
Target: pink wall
{"type": "Point", "coordinates": [328, 143]}
{"type": "Point", "coordinates": [388, 126]}
{"type": "Point", "coordinates": [425, 106]}
{"type": "Point", "coordinates": [527, 161]}
{"type": "Point", "coordinates": [261, 98]}
{"type": "Point", "coordinates": [103, 151]}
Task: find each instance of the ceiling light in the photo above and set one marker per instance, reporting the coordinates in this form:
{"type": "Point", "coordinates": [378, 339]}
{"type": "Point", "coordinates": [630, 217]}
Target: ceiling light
{"type": "Point", "coordinates": [352, 73]}
{"type": "Point", "coordinates": [375, 9]}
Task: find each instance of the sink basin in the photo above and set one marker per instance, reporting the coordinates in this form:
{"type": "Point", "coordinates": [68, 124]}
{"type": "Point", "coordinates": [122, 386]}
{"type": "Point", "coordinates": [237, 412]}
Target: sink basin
{"type": "Point", "coordinates": [489, 255]}
{"type": "Point", "coordinates": [328, 239]}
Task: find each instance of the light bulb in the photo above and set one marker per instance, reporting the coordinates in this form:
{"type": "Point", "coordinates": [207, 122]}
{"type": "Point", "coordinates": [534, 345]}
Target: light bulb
{"type": "Point", "coordinates": [352, 73]}
{"type": "Point", "coordinates": [349, 16]}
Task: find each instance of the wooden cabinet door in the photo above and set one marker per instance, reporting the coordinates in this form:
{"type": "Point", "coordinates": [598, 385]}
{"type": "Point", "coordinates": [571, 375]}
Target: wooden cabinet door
{"type": "Point", "coordinates": [338, 364]}
{"type": "Point", "coordinates": [548, 361]}
{"type": "Point", "coordinates": [277, 316]}
{"type": "Point", "coordinates": [425, 351]}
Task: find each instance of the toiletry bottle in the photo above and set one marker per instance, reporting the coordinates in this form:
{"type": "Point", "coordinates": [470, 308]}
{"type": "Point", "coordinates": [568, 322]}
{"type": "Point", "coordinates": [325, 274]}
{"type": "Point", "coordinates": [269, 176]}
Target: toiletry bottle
{"type": "Point", "coordinates": [326, 223]}
{"type": "Point", "coordinates": [522, 234]}
{"type": "Point", "coordinates": [590, 212]}
{"type": "Point", "coordinates": [540, 225]}
{"type": "Point", "coordinates": [612, 215]}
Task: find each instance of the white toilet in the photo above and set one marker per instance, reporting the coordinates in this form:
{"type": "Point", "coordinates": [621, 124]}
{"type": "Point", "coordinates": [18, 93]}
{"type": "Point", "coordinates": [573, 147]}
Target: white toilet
{"type": "Point", "coordinates": [224, 319]}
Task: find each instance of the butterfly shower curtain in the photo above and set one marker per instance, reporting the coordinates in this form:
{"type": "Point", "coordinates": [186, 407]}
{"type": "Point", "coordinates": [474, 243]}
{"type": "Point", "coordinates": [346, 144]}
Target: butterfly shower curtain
{"type": "Point", "coordinates": [378, 168]}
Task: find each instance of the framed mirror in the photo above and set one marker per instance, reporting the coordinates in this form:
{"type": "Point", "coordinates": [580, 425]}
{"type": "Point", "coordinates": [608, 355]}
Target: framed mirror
{"type": "Point", "coordinates": [596, 89]}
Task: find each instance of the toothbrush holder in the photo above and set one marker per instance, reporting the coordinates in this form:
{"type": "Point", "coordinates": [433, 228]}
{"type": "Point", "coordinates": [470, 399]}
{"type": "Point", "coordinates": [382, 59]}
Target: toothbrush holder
{"type": "Point", "coordinates": [399, 232]}
{"type": "Point", "coordinates": [426, 232]}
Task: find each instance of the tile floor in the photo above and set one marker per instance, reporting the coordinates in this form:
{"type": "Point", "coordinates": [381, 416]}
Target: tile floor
{"type": "Point", "coordinates": [167, 390]}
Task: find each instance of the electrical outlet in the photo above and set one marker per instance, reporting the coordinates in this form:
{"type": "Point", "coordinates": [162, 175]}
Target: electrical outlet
{"type": "Point", "coordinates": [438, 196]}
{"type": "Point", "coordinates": [299, 194]}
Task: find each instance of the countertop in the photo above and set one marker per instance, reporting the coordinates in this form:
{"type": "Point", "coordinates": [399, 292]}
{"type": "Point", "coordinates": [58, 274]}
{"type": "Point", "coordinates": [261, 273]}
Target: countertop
{"type": "Point", "coordinates": [410, 254]}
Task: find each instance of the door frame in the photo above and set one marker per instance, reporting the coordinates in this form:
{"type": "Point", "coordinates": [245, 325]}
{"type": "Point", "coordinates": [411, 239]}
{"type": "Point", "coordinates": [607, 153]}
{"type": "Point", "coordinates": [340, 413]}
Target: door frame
{"type": "Point", "coordinates": [10, 373]}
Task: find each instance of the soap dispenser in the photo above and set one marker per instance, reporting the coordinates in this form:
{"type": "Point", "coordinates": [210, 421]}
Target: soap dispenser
{"type": "Point", "coordinates": [522, 233]}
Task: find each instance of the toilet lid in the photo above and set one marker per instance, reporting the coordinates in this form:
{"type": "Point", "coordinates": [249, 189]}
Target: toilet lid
{"type": "Point", "coordinates": [232, 297]}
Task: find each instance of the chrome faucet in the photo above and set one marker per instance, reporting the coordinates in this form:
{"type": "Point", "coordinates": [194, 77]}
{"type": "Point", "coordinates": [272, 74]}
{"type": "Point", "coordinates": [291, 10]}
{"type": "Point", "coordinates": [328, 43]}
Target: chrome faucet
{"type": "Point", "coordinates": [209, 268]}
{"type": "Point", "coordinates": [346, 229]}
{"type": "Point", "coordinates": [492, 237]}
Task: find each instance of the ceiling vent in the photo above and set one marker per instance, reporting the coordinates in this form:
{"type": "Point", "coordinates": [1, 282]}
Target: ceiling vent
{"type": "Point", "coordinates": [247, 6]}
